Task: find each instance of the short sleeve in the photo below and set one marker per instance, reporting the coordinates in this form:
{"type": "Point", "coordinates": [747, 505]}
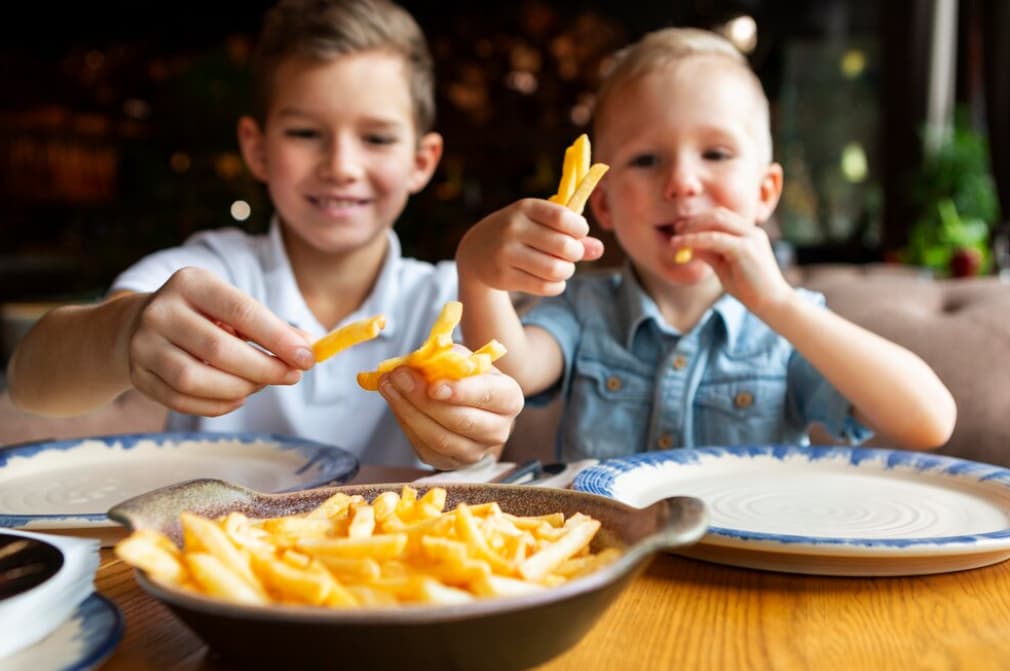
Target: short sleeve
{"type": "Point", "coordinates": [556, 315]}
{"type": "Point", "coordinates": [815, 400]}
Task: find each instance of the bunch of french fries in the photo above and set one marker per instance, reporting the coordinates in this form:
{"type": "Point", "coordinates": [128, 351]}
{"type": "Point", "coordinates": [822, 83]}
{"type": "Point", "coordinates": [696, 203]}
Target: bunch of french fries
{"type": "Point", "coordinates": [399, 549]}
{"type": "Point", "coordinates": [436, 359]}
{"type": "Point", "coordinates": [578, 177]}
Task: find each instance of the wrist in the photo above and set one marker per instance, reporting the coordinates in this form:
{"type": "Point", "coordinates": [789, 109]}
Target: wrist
{"type": "Point", "coordinates": [774, 309]}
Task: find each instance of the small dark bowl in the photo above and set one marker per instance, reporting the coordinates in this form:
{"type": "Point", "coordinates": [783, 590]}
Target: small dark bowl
{"type": "Point", "coordinates": [494, 633]}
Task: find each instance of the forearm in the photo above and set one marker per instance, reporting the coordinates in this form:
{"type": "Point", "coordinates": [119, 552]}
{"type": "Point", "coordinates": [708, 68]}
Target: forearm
{"type": "Point", "coordinates": [74, 359]}
{"type": "Point", "coordinates": [891, 389]}
{"type": "Point", "coordinates": [489, 313]}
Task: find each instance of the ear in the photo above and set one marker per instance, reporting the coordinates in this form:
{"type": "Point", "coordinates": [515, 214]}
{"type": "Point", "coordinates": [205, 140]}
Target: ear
{"type": "Point", "coordinates": [252, 143]}
{"type": "Point", "coordinates": [769, 192]}
{"type": "Point", "coordinates": [600, 204]}
{"type": "Point", "coordinates": [426, 158]}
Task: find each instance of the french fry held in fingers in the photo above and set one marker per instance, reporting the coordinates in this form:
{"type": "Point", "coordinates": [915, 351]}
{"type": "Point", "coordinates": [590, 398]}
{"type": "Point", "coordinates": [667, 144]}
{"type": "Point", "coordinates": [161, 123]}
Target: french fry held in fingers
{"type": "Point", "coordinates": [578, 177]}
{"type": "Point", "coordinates": [436, 359]}
{"type": "Point", "coordinates": [683, 255]}
{"type": "Point", "coordinates": [400, 548]}
{"type": "Point", "coordinates": [347, 336]}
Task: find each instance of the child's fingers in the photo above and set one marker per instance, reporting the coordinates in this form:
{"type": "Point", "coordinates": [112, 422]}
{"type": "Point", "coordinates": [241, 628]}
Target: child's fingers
{"type": "Point", "coordinates": [222, 302]}
{"type": "Point", "coordinates": [433, 436]}
{"type": "Point", "coordinates": [151, 385]}
{"type": "Point", "coordinates": [190, 376]}
{"type": "Point", "coordinates": [552, 242]}
{"type": "Point", "coordinates": [592, 248]}
{"type": "Point", "coordinates": [716, 219]}
{"type": "Point", "coordinates": [232, 354]}
{"type": "Point", "coordinates": [555, 216]}
{"type": "Point", "coordinates": [491, 392]}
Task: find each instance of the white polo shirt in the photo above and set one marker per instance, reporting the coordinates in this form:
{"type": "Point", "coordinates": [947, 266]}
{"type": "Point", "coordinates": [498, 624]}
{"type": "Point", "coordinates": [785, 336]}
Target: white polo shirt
{"type": "Point", "coordinates": [327, 405]}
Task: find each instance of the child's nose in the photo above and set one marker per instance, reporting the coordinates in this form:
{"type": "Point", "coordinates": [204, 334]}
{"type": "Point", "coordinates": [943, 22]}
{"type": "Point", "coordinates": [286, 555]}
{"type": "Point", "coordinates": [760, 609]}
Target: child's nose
{"type": "Point", "coordinates": [340, 162]}
{"type": "Point", "coordinates": [684, 180]}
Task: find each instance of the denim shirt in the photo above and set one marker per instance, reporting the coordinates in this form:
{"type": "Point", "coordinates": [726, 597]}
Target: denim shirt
{"type": "Point", "coordinates": [632, 383]}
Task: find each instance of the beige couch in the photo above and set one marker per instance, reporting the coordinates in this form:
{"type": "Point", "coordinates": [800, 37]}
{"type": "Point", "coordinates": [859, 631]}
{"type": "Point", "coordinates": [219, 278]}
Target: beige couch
{"type": "Point", "coordinates": [960, 327]}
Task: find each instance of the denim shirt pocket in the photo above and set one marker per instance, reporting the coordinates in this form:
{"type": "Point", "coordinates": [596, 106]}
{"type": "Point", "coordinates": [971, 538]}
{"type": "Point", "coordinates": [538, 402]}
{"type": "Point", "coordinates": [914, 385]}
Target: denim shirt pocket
{"type": "Point", "coordinates": [608, 411]}
{"type": "Point", "coordinates": [742, 412]}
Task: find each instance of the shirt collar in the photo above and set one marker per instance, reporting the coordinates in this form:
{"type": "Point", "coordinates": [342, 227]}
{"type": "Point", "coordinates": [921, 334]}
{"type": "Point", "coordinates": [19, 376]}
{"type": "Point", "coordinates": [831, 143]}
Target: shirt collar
{"type": "Point", "coordinates": [283, 287]}
{"type": "Point", "coordinates": [636, 308]}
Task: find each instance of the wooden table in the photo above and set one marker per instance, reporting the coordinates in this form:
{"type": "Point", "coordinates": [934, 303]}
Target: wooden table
{"type": "Point", "coordinates": [686, 614]}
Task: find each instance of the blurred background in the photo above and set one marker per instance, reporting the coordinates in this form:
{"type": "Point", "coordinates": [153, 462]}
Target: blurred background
{"type": "Point", "coordinates": [117, 124]}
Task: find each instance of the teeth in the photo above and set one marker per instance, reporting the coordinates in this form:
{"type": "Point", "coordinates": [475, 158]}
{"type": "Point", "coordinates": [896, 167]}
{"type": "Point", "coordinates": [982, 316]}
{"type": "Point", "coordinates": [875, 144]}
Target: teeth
{"type": "Point", "coordinates": [337, 202]}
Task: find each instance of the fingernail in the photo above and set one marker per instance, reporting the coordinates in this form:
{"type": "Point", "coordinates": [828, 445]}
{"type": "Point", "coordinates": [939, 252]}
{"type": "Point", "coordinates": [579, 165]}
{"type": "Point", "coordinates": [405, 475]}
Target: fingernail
{"type": "Point", "coordinates": [403, 381]}
{"type": "Point", "coordinates": [441, 392]}
{"type": "Point", "coordinates": [304, 358]}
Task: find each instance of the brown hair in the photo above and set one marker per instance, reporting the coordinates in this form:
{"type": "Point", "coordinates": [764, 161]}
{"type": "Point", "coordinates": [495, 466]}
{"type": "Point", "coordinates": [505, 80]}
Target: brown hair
{"type": "Point", "coordinates": [669, 45]}
{"type": "Point", "coordinates": [325, 29]}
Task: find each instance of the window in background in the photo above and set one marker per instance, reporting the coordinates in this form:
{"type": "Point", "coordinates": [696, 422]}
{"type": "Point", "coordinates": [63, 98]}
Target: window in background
{"type": "Point", "coordinates": [827, 128]}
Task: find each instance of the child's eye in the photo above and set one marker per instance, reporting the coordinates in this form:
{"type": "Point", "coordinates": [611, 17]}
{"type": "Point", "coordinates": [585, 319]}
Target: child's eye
{"type": "Point", "coordinates": [379, 139]}
{"type": "Point", "coordinates": [718, 154]}
{"type": "Point", "coordinates": [302, 133]}
{"type": "Point", "coordinates": [644, 161]}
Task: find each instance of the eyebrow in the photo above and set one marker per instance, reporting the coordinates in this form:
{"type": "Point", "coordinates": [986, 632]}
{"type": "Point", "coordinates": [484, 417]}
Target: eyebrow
{"type": "Point", "coordinates": [378, 122]}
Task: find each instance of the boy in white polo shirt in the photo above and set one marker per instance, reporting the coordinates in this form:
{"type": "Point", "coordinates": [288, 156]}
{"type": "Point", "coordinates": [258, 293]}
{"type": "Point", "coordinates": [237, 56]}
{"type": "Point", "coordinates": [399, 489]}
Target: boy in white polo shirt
{"type": "Point", "coordinates": [341, 136]}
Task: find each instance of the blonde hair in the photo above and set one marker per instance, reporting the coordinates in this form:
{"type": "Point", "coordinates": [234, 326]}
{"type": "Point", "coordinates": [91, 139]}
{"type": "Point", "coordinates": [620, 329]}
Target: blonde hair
{"type": "Point", "coordinates": [321, 30]}
{"type": "Point", "coordinates": [661, 48]}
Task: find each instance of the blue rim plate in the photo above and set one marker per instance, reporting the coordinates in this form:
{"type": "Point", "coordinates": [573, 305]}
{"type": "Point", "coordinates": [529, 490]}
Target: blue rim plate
{"type": "Point", "coordinates": [81, 643]}
{"type": "Point", "coordinates": [69, 484]}
{"type": "Point", "coordinates": [826, 510]}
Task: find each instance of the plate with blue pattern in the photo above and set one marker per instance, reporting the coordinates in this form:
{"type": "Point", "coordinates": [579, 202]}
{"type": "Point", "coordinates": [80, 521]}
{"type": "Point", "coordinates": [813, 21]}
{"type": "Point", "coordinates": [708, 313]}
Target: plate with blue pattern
{"type": "Point", "coordinates": [67, 485]}
{"type": "Point", "coordinates": [826, 510]}
{"type": "Point", "coordinates": [81, 643]}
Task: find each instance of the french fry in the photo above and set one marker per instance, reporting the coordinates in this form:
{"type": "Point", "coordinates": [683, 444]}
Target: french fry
{"type": "Point", "coordinates": [155, 554]}
{"type": "Point", "coordinates": [683, 255]}
{"type": "Point", "coordinates": [347, 336]}
{"type": "Point", "coordinates": [436, 359]}
{"type": "Point", "coordinates": [548, 558]}
{"type": "Point", "coordinates": [577, 203]}
{"type": "Point", "coordinates": [217, 579]}
{"type": "Point", "coordinates": [403, 547]}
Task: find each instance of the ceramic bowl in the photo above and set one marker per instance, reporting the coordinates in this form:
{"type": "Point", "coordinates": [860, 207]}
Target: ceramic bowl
{"type": "Point", "coordinates": [489, 634]}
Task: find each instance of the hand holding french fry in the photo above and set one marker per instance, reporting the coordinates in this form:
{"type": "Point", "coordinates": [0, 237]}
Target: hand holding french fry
{"type": "Point", "coordinates": [451, 403]}
{"type": "Point", "coordinates": [740, 254]}
{"type": "Point", "coordinates": [533, 246]}
{"type": "Point", "coordinates": [188, 345]}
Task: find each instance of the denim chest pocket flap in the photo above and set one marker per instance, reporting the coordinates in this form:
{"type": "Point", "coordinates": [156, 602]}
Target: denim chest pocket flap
{"type": "Point", "coordinates": [615, 384]}
{"type": "Point", "coordinates": [744, 399]}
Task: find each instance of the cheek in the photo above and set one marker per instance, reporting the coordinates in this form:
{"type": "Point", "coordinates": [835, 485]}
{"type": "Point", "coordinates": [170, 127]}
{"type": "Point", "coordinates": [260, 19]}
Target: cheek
{"type": "Point", "coordinates": [287, 165]}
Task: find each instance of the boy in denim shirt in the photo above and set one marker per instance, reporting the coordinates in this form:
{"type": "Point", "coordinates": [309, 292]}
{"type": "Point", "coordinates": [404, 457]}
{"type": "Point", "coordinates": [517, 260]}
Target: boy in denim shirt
{"type": "Point", "coordinates": [716, 350]}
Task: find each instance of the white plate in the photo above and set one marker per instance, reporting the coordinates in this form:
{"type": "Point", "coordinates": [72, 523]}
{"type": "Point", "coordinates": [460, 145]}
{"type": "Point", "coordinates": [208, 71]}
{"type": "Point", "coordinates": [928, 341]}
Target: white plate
{"type": "Point", "coordinates": [826, 510]}
{"type": "Point", "coordinates": [81, 643]}
{"type": "Point", "coordinates": [67, 485]}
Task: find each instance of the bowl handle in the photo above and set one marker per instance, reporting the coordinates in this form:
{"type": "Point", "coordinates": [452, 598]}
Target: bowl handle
{"type": "Point", "coordinates": [160, 508]}
{"type": "Point", "coordinates": [680, 521]}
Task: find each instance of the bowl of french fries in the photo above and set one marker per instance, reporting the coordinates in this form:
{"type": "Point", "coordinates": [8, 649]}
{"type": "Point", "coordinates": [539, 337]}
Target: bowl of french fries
{"type": "Point", "coordinates": [451, 576]}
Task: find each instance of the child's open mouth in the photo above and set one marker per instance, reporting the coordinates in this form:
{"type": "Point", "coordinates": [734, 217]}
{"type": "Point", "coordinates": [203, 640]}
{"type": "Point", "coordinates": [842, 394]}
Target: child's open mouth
{"type": "Point", "coordinates": [666, 231]}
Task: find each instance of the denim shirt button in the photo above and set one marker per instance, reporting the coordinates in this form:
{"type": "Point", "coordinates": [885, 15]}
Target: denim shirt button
{"type": "Point", "coordinates": [614, 383]}
{"type": "Point", "coordinates": [665, 441]}
{"type": "Point", "coordinates": [744, 399]}
{"type": "Point", "coordinates": [679, 362]}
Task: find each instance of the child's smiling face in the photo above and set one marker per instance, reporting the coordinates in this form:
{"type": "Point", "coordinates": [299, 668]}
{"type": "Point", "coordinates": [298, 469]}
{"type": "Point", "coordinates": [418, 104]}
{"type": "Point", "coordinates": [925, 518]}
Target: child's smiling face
{"type": "Point", "coordinates": [681, 140]}
{"type": "Point", "coordinates": [339, 151]}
